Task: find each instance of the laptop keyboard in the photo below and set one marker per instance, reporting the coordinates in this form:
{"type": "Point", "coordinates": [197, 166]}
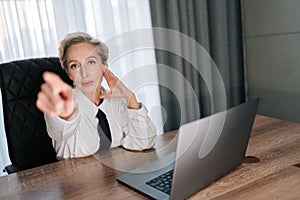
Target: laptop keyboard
{"type": "Point", "coordinates": [162, 182]}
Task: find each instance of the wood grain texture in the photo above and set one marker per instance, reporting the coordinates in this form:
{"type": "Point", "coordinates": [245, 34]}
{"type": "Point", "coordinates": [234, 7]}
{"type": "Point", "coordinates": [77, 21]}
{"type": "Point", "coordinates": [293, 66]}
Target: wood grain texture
{"type": "Point", "coordinates": [276, 176]}
{"type": "Point", "coordinates": [283, 184]}
{"type": "Point", "coordinates": [275, 142]}
{"type": "Point", "coordinates": [83, 178]}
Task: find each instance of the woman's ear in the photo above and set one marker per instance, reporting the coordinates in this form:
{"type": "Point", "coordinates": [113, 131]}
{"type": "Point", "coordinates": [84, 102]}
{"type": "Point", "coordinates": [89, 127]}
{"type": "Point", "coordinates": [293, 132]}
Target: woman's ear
{"type": "Point", "coordinates": [105, 65]}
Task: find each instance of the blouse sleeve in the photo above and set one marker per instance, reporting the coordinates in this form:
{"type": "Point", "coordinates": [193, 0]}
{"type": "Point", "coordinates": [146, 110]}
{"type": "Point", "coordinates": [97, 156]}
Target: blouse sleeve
{"type": "Point", "coordinates": [60, 129]}
{"type": "Point", "coordinates": [138, 129]}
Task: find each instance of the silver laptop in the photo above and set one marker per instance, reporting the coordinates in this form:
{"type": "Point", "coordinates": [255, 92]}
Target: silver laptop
{"type": "Point", "coordinates": [207, 149]}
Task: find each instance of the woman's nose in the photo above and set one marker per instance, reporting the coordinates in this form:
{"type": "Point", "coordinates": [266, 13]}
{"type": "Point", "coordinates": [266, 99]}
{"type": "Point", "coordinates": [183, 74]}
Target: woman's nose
{"type": "Point", "coordinates": [83, 71]}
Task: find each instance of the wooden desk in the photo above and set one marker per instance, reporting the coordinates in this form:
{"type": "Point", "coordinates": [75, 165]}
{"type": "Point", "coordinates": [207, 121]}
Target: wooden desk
{"type": "Point", "coordinates": [277, 176]}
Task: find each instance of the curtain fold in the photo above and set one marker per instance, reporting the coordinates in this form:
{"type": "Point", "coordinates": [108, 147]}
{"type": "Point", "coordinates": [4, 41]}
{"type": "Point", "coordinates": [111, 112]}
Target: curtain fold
{"type": "Point", "coordinates": [216, 26]}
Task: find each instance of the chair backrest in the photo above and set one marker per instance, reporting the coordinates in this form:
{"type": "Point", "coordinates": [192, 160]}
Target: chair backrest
{"type": "Point", "coordinates": [29, 144]}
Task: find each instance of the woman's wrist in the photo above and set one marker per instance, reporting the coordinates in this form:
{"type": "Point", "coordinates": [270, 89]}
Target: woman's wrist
{"type": "Point", "coordinates": [133, 103]}
{"type": "Point", "coordinates": [66, 115]}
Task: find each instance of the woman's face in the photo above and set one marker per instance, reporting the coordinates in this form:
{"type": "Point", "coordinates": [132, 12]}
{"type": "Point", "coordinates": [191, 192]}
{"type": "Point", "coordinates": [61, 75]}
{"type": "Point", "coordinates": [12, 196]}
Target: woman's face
{"type": "Point", "coordinates": [85, 68]}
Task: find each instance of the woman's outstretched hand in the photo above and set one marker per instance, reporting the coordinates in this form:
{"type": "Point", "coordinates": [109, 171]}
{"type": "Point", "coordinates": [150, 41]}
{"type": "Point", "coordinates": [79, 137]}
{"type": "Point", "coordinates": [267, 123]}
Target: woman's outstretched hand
{"type": "Point", "coordinates": [56, 97]}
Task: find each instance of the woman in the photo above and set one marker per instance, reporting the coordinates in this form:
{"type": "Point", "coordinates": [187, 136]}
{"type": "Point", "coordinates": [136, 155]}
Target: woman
{"type": "Point", "coordinates": [70, 114]}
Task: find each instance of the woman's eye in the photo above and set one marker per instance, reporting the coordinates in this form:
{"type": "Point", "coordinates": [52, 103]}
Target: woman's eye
{"type": "Point", "coordinates": [91, 62]}
{"type": "Point", "coordinates": [73, 66]}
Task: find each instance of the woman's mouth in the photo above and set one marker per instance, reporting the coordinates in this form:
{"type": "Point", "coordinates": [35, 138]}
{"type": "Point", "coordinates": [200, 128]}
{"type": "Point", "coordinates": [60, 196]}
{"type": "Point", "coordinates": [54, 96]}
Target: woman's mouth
{"type": "Point", "coordinates": [87, 83]}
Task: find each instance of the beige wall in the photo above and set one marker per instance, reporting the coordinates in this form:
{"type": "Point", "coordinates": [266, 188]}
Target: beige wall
{"type": "Point", "coordinates": [272, 55]}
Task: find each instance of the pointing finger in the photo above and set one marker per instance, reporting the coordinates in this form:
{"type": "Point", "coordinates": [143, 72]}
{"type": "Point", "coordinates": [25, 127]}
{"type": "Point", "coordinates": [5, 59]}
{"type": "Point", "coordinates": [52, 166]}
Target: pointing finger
{"type": "Point", "coordinates": [54, 81]}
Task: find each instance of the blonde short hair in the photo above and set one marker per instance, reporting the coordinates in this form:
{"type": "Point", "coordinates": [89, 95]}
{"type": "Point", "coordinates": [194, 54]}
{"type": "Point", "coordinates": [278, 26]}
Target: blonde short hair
{"type": "Point", "coordinates": [78, 37]}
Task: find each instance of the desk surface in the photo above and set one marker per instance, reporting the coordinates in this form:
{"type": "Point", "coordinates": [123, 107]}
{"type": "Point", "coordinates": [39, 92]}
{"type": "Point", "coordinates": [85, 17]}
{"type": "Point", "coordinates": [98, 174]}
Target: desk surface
{"type": "Point", "coordinates": [275, 176]}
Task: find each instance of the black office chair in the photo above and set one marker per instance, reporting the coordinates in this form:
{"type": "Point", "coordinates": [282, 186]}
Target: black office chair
{"type": "Point", "coordinates": [28, 142]}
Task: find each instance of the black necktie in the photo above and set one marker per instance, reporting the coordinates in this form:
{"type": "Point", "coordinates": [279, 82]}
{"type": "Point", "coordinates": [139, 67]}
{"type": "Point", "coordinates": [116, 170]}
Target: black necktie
{"type": "Point", "coordinates": [104, 131]}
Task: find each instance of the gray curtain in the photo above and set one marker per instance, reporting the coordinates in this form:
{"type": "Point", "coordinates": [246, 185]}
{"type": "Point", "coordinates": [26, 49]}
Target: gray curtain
{"type": "Point", "coordinates": [214, 25]}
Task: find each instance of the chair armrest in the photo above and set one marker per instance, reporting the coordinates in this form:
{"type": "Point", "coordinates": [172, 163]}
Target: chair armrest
{"type": "Point", "coordinates": [11, 169]}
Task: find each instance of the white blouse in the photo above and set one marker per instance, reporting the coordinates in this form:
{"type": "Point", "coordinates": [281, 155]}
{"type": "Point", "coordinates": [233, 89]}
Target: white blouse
{"type": "Point", "coordinates": [78, 136]}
